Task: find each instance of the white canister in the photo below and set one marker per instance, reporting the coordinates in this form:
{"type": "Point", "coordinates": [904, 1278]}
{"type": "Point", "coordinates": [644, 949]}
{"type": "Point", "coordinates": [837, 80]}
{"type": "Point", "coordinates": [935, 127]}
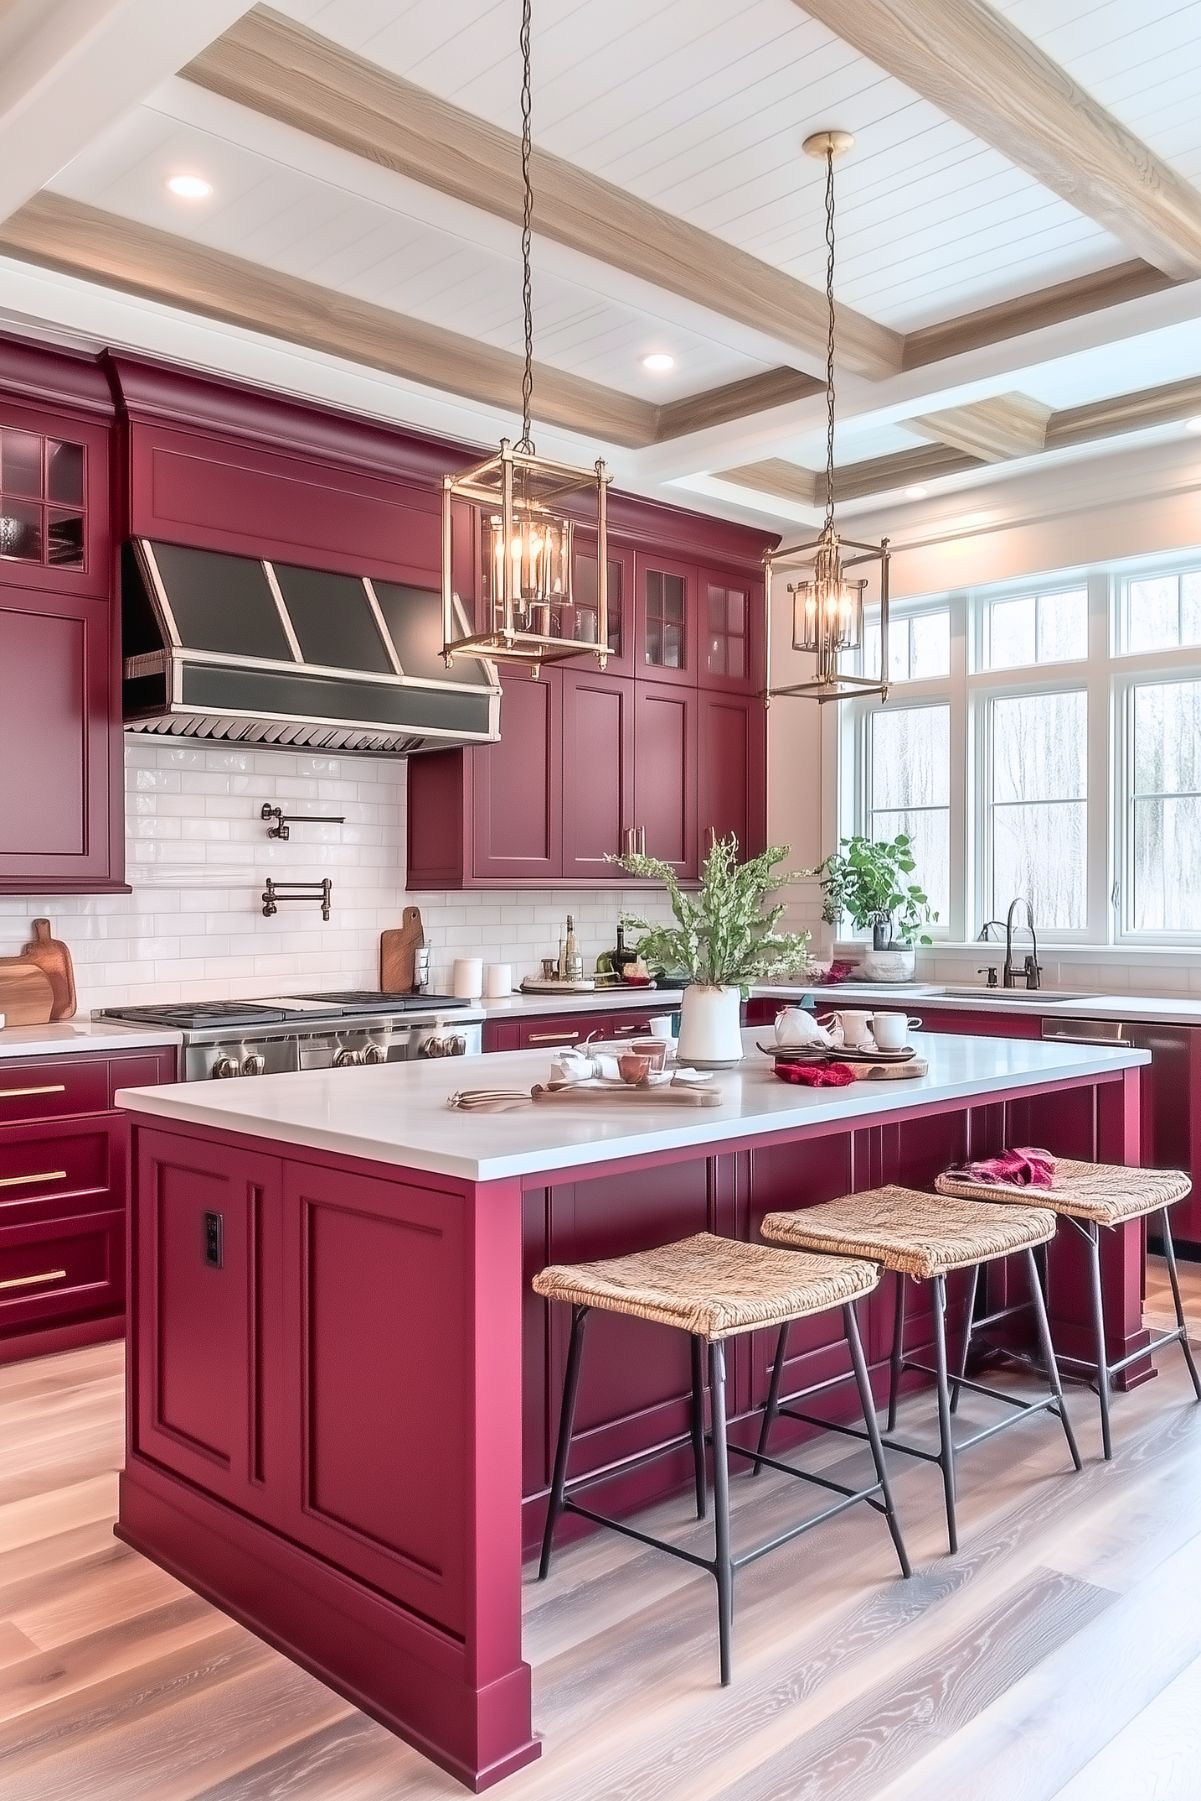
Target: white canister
{"type": "Point", "coordinates": [467, 983]}
{"type": "Point", "coordinates": [498, 980]}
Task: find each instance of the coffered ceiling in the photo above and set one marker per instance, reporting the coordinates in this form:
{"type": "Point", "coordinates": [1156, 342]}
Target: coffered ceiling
{"type": "Point", "coordinates": [1019, 277]}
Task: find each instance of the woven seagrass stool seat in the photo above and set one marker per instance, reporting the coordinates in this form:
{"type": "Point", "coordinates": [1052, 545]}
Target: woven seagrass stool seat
{"type": "Point", "coordinates": [1090, 1198]}
{"type": "Point", "coordinates": [924, 1238]}
{"type": "Point", "coordinates": [712, 1289]}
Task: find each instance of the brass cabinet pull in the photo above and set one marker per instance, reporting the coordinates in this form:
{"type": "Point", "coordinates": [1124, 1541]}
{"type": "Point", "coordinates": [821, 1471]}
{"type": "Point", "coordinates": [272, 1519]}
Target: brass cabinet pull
{"type": "Point", "coordinates": [46, 1175]}
{"type": "Point", "coordinates": [12, 1094]}
{"type": "Point", "coordinates": [642, 840]}
{"type": "Point", "coordinates": [629, 1032]}
{"type": "Point", "coordinates": [47, 1275]}
{"type": "Point", "coordinates": [710, 836]}
{"type": "Point", "coordinates": [552, 1037]}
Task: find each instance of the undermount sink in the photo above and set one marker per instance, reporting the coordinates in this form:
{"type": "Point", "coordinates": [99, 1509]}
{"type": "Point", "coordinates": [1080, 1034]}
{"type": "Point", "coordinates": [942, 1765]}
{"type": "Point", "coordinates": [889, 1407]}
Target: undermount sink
{"type": "Point", "coordinates": [1026, 997]}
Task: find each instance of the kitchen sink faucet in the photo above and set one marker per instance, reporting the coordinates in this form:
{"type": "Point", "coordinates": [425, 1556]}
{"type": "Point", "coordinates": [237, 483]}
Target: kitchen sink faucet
{"type": "Point", "coordinates": [1031, 968]}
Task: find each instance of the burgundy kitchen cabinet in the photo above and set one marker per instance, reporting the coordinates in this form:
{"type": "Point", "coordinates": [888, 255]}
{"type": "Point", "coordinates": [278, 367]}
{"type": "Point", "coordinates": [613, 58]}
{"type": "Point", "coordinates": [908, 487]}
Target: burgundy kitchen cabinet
{"type": "Point", "coordinates": [665, 765]}
{"type": "Point", "coordinates": [516, 814]}
{"type": "Point", "coordinates": [731, 624]}
{"type": "Point", "coordinates": [597, 773]}
{"type": "Point", "coordinates": [666, 627]}
{"type": "Point", "coordinates": [620, 599]}
{"type": "Point", "coordinates": [63, 1197]}
{"type": "Point", "coordinates": [555, 1031]}
{"type": "Point", "coordinates": [731, 770]}
{"type": "Point", "coordinates": [61, 782]}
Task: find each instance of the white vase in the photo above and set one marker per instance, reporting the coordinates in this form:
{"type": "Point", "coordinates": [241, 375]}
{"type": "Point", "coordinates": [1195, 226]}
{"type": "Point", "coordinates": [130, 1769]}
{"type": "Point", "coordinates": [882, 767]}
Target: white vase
{"type": "Point", "coordinates": [710, 1027]}
{"type": "Point", "coordinates": [898, 964]}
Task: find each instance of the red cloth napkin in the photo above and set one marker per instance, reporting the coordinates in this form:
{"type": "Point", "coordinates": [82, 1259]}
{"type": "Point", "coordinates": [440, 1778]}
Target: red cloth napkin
{"type": "Point", "coordinates": [1025, 1167]}
{"type": "Point", "coordinates": [816, 1075]}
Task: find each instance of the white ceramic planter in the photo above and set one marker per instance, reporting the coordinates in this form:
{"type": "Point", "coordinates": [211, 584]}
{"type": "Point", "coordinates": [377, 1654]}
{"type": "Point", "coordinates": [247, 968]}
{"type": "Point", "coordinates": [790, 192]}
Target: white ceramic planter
{"type": "Point", "coordinates": [710, 1027]}
{"type": "Point", "coordinates": [898, 964]}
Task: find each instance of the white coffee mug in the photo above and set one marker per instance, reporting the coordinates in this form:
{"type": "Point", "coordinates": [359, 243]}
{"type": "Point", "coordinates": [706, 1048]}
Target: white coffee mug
{"type": "Point", "coordinates": [498, 980]}
{"type": "Point", "coordinates": [660, 1026]}
{"type": "Point", "coordinates": [856, 1030]}
{"type": "Point", "coordinates": [891, 1030]}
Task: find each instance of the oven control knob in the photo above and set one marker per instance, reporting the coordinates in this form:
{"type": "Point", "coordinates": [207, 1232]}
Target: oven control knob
{"type": "Point", "coordinates": [375, 1053]}
{"type": "Point", "coordinates": [226, 1066]}
{"type": "Point", "coordinates": [254, 1065]}
{"type": "Point", "coordinates": [457, 1045]}
{"type": "Point", "coordinates": [347, 1059]}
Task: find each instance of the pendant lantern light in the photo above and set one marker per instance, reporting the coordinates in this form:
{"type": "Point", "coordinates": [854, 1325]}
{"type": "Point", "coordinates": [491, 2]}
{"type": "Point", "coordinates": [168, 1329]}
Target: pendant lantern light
{"type": "Point", "coordinates": [528, 611]}
{"type": "Point", "coordinates": [828, 588]}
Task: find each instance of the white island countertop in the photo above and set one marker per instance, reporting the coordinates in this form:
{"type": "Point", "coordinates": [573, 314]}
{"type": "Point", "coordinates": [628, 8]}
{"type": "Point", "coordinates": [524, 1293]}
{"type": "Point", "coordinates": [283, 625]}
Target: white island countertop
{"type": "Point", "coordinates": [397, 1113]}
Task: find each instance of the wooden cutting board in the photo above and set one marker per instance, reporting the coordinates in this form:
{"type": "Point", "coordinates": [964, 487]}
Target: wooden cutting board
{"type": "Point", "coordinates": [54, 960]}
{"type": "Point", "coordinates": [398, 949]}
{"type": "Point", "coordinates": [26, 997]}
{"type": "Point", "coordinates": [622, 1094]}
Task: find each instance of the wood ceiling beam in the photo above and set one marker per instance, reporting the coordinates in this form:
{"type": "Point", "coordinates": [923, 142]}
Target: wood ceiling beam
{"type": "Point", "coordinates": [776, 477]}
{"type": "Point", "coordinates": [282, 69]}
{"type": "Point", "coordinates": [736, 400]}
{"type": "Point", "coordinates": [972, 64]}
{"type": "Point", "coordinates": [995, 429]}
{"type": "Point", "coordinates": [1014, 318]}
{"type": "Point", "coordinates": [57, 233]}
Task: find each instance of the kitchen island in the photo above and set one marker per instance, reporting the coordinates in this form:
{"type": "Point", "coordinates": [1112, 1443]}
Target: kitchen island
{"type": "Point", "coordinates": [342, 1392]}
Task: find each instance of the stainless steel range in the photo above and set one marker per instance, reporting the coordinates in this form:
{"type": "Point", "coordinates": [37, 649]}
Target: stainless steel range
{"type": "Point", "coordinates": [310, 1031]}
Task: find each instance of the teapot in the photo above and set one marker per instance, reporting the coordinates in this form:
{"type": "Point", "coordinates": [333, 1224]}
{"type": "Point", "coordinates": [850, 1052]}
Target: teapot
{"type": "Point", "coordinates": [797, 1028]}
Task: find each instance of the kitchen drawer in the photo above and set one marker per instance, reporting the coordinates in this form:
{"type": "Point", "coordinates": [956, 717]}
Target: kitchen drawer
{"type": "Point", "coordinates": [564, 1029]}
{"type": "Point", "coordinates": [72, 1161]}
{"type": "Point", "coordinates": [52, 1088]}
{"type": "Point", "coordinates": [57, 1267]}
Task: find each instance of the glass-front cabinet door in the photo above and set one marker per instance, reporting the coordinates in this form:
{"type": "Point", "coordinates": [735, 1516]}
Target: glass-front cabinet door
{"type": "Point", "coordinates": [730, 611]}
{"type": "Point", "coordinates": [619, 600]}
{"type": "Point", "coordinates": [54, 528]}
{"type": "Point", "coordinates": [665, 620]}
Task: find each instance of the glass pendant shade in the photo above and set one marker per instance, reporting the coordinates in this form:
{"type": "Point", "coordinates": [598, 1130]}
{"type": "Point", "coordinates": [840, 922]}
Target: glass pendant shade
{"type": "Point", "coordinates": [827, 610]}
{"type": "Point", "coordinates": [527, 612]}
{"type": "Point", "coordinates": [831, 594]}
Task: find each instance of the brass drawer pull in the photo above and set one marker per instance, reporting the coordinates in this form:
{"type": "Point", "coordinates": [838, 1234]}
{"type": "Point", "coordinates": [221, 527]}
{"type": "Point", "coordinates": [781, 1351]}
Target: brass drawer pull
{"type": "Point", "coordinates": [552, 1037]}
{"type": "Point", "coordinates": [13, 1094]}
{"type": "Point", "coordinates": [46, 1175]}
{"type": "Point", "coordinates": [47, 1275]}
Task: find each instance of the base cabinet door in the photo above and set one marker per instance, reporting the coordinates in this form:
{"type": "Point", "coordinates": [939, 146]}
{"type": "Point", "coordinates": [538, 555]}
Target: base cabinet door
{"type": "Point", "coordinates": [598, 773]}
{"type": "Point", "coordinates": [731, 764]}
{"type": "Point", "coordinates": [665, 774]}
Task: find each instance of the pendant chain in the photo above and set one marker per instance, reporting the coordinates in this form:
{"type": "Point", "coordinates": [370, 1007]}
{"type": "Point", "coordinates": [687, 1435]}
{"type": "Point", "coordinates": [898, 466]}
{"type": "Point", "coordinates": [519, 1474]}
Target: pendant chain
{"type": "Point", "coordinates": [829, 525]}
{"type": "Point", "coordinates": [526, 442]}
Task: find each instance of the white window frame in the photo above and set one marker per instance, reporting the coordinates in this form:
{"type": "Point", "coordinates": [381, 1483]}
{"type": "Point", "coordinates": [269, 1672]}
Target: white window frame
{"type": "Point", "coordinates": [1138, 672]}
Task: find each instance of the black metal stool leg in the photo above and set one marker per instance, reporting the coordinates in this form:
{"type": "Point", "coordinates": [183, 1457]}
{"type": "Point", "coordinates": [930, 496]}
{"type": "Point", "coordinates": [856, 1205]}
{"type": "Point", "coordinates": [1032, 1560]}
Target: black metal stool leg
{"type": "Point", "coordinates": [723, 1566]}
{"type": "Point", "coordinates": [1048, 1351]}
{"type": "Point", "coordinates": [698, 1423]}
{"type": "Point", "coordinates": [773, 1398]}
{"type": "Point", "coordinates": [1169, 1251]}
{"type": "Point", "coordinates": [946, 1443]}
{"type": "Point", "coordinates": [1092, 1234]}
{"type": "Point", "coordinates": [571, 1384]}
{"type": "Point", "coordinates": [864, 1384]}
{"type": "Point", "coordinates": [898, 1351]}
{"type": "Point", "coordinates": [956, 1389]}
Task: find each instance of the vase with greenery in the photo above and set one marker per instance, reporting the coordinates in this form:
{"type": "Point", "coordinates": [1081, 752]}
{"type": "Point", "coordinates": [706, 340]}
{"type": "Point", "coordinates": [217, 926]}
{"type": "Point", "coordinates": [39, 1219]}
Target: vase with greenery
{"type": "Point", "coordinates": [873, 883]}
{"type": "Point", "coordinates": [723, 938]}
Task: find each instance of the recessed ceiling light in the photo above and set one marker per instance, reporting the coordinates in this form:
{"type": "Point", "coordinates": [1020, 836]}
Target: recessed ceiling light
{"type": "Point", "coordinates": [189, 187]}
{"type": "Point", "coordinates": [658, 362]}
{"type": "Point", "coordinates": [1193, 424]}
{"type": "Point", "coordinates": [917, 492]}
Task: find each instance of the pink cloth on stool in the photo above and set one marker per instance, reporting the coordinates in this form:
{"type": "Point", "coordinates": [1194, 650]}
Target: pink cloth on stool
{"type": "Point", "coordinates": [1024, 1167]}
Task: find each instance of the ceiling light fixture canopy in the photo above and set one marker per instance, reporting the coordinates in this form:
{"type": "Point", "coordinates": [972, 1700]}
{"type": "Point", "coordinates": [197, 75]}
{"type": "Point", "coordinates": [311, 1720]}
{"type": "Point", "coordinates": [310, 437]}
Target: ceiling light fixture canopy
{"type": "Point", "coordinates": [828, 603]}
{"type": "Point", "coordinates": [189, 187]}
{"type": "Point", "coordinates": [528, 611]}
{"type": "Point", "coordinates": [658, 362]}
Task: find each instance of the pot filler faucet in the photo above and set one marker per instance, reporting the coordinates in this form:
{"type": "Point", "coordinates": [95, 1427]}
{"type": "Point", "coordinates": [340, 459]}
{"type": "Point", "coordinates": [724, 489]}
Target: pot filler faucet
{"type": "Point", "coordinates": [1031, 968]}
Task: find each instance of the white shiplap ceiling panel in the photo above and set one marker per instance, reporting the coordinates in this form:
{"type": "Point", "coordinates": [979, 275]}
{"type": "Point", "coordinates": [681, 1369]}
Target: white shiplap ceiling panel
{"type": "Point", "coordinates": [700, 106]}
{"type": "Point", "coordinates": [289, 221]}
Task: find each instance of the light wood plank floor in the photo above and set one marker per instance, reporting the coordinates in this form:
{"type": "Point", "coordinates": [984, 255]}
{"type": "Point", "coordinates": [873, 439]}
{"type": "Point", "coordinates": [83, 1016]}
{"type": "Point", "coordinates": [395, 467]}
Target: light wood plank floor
{"type": "Point", "coordinates": [1059, 1655]}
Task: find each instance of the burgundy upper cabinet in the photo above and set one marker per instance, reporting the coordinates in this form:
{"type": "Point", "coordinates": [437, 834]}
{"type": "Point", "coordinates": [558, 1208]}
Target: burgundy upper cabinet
{"type": "Point", "coordinates": [619, 600]}
{"type": "Point", "coordinates": [61, 786]}
{"type": "Point", "coordinates": [598, 773]}
{"type": "Point", "coordinates": [665, 787]}
{"type": "Point", "coordinates": [516, 813]}
{"type": "Point", "coordinates": [732, 770]}
{"type": "Point", "coordinates": [731, 627]}
{"type": "Point", "coordinates": [665, 620]}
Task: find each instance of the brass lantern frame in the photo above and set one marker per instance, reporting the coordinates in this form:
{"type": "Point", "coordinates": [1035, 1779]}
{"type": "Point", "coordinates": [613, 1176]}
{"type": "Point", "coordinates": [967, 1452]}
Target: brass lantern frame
{"type": "Point", "coordinates": [829, 682]}
{"type": "Point", "coordinates": [516, 485]}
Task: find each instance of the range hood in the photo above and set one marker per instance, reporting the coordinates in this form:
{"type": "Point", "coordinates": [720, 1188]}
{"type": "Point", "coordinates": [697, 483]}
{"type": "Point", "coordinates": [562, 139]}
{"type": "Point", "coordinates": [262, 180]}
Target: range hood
{"type": "Point", "coordinates": [230, 647]}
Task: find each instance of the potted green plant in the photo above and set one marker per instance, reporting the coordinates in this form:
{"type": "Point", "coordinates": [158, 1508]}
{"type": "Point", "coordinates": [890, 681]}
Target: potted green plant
{"type": "Point", "coordinates": [724, 938]}
{"type": "Point", "coordinates": [872, 883]}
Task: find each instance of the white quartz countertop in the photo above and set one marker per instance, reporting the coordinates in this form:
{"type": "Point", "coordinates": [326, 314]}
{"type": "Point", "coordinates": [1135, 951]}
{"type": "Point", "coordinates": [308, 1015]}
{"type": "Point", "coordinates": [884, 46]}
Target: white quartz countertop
{"type": "Point", "coordinates": [1164, 1009]}
{"type": "Point", "coordinates": [397, 1113]}
{"type": "Point", "coordinates": [623, 1000]}
{"type": "Point", "coordinates": [67, 1035]}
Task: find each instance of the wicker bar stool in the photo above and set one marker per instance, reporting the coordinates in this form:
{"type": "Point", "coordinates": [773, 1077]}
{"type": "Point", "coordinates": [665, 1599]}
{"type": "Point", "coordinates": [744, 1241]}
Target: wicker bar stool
{"type": "Point", "coordinates": [1090, 1198]}
{"type": "Point", "coordinates": [924, 1237]}
{"type": "Point", "coordinates": [713, 1289]}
